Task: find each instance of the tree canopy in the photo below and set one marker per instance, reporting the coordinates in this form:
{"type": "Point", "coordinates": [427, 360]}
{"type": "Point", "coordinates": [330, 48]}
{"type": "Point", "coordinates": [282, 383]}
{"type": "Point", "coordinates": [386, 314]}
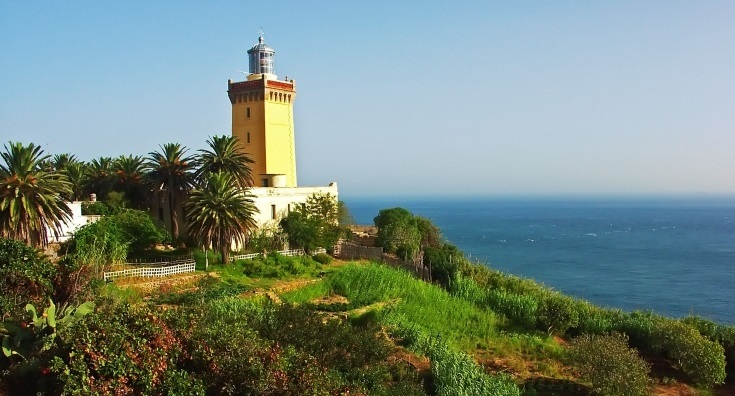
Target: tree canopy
{"type": "Point", "coordinates": [225, 155]}
{"type": "Point", "coordinates": [403, 233]}
{"type": "Point", "coordinates": [31, 196]}
{"type": "Point", "coordinates": [218, 214]}
{"type": "Point", "coordinates": [171, 172]}
{"type": "Point", "coordinates": [314, 223]}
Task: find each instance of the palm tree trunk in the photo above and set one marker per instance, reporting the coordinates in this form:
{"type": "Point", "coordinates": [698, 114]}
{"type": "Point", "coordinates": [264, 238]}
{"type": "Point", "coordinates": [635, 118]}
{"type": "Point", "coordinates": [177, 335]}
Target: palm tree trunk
{"type": "Point", "coordinates": [174, 216]}
{"type": "Point", "coordinates": [224, 249]}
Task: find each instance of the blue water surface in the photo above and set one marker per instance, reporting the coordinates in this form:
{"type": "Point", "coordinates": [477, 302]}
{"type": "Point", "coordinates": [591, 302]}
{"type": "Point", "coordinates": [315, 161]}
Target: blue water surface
{"type": "Point", "coordinates": [675, 257]}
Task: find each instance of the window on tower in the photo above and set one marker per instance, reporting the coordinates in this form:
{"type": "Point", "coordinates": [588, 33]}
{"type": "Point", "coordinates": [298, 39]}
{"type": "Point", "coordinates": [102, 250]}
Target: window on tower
{"type": "Point", "coordinates": [248, 138]}
{"type": "Point", "coordinates": [247, 112]}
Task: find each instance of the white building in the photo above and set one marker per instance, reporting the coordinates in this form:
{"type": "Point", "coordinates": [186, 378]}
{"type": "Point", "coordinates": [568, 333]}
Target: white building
{"type": "Point", "coordinates": [274, 203]}
{"type": "Point", "coordinates": [76, 221]}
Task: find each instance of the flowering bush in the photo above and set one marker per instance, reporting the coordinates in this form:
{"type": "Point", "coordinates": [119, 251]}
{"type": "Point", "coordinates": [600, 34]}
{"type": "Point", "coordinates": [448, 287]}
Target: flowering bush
{"type": "Point", "coordinates": [610, 365]}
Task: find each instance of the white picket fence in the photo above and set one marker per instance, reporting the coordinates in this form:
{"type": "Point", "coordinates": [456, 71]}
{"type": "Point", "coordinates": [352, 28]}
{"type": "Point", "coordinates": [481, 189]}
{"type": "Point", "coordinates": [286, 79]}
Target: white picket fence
{"type": "Point", "coordinates": [157, 271]}
{"type": "Point", "coordinates": [292, 252]}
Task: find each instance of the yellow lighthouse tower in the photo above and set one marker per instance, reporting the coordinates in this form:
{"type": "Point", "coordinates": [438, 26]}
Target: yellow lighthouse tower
{"type": "Point", "coordinates": [262, 119]}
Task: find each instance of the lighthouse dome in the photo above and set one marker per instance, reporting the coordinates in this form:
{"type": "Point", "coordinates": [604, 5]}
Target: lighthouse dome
{"type": "Point", "coordinates": [262, 59]}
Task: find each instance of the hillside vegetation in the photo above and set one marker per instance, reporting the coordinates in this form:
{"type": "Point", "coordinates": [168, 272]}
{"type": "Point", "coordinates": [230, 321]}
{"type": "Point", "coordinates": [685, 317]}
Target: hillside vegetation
{"type": "Point", "coordinates": [295, 326]}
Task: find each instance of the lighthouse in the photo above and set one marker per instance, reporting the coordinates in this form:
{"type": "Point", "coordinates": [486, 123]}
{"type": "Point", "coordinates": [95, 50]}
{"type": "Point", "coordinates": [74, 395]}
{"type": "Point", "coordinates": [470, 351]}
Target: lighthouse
{"type": "Point", "coordinates": [262, 119]}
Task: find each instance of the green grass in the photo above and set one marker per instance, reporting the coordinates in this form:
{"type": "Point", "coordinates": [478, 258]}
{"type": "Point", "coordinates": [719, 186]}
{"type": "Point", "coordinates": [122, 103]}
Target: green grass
{"type": "Point", "coordinates": [208, 289]}
{"type": "Point", "coordinates": [395, 298]}
{"type": "Point", "coordinates": [408, 299]}
{"type": "Point", "coordinates": [125, 294]}
{"type": "Point", "coordinates": [307, 293]}
{"type": "Point", "coordinates": [454, 372]}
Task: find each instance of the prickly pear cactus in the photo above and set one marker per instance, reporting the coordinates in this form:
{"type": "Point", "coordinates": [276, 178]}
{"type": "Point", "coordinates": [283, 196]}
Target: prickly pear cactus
{"type": "Point", "coordinates": [20, 339]}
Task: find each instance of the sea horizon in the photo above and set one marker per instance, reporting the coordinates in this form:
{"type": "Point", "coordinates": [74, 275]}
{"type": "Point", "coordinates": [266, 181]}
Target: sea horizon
{"type": "Point", "coordinates": [725, 198]}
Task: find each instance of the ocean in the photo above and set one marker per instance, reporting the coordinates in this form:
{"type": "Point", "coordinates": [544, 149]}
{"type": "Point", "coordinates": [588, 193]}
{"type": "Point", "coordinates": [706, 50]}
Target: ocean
{"type": "Point", "coordinates": [675, 257]}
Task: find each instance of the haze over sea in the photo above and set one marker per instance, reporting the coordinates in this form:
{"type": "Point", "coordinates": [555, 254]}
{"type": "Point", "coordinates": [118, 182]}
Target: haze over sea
{"type": "Point", "coordinates": [673, 256]}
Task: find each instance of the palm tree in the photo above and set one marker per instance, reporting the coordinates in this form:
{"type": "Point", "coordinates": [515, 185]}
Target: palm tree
{"type": "Point", "coordinates": [171, 171]}
{"type": "Point", "coordinates": [61, 161]}
{"type": "Point", "coordinates": [219, 214]}
{"type": "Point", "coordinates": [129, 172]}
{"type": "Point", "coordinates": [31, 203]}
{"type": "Point", "coordinates": [75, 173]}
{"type": "Point", "coordinates": [225, 156]}
{"type": "Point", "coordinates": [99, 179]}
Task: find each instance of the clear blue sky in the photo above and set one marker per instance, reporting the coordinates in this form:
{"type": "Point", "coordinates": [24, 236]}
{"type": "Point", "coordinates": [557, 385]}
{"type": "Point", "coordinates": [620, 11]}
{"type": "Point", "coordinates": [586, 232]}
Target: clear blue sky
{"type": "Point", "coordinates": [397, 98]}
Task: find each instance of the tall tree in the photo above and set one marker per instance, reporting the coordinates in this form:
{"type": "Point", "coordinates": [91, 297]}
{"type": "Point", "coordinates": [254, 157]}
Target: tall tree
{"type": "Point", "coordinates": [344, 216]}
{"type": "Point", "coordinates": [225, 155]}
{"type": "Point", "coordinates": [314, 223]}
{"type": "Point", "coordinates": [75, 173]}
{"type": "Point", "coordinates": [398, 232]}
{"type": "Point", "coordinates": [61, 161]}
{"type": "Point", "coordinates": [31, 197]}
{"type": "Point", "coordinates": [129, 179]}
{"type": "Point", "coordinates": [99, 178]}
{"type": "Point", "coordinates": [220, 214]}
{"type": "Point", "coordinates": [170, 172]}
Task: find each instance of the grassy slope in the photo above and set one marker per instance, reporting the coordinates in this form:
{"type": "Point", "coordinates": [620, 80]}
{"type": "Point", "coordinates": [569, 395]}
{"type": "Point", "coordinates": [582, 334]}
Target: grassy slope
{"type": "Point", "coordinates": [397, 300]}
{"type": "Point", "coordinates": [398, 297]}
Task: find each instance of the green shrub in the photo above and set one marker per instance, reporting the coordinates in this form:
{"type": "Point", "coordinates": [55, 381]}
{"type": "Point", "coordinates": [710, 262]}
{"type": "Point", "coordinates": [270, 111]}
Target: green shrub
{"type": "Point", "coordinates": [297, 265]}
{"type": "Point", "coordinates": [557, 313]}
{"type": "Point", "coordinates": [640, 327]}
{"type": "Point", "coordinates": [396, 227]}
{"type": "Point", "coordinates": [26, 276]}
{"type": "Point", "coordinates": [139, 229]}
{"type": "Point", "coordinates": [235, 360]}
{"type": "Point", "coordinates": [326, 340]}
{"type": "Point", "coordinates": [701, 359]}
{"type": "Point", "coordinates": [595, 320]}
{"type": "Point", "coordinates": [488, 279]}
{"type": "Point", "coordinates": [724, 335]}
{"type": "Point", "coordinates": [252, 267]}
{"type": "Point", "coordinates": [265, 240]}
{"type": "Point", "coordinates": [182, 383]}
{"type": "Point", "coordinates": [97, 208]}
{"type": "Point", "coordinates": [98, 245]}
{"type": "Point", "coordinates": [610, 365]}
{"type": "Point", "coordinates": [322, 258]}
{"type": "Point", "coordinates": [278, 266]}
{"type": "Point", "coordinates": [444, 262]}
{"type": "Point", "coordinates": [119, 347]}
{"type": "Point", "coordinates": [110, 239]}
{"type": "Point", "coordinates": [285, 350]}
